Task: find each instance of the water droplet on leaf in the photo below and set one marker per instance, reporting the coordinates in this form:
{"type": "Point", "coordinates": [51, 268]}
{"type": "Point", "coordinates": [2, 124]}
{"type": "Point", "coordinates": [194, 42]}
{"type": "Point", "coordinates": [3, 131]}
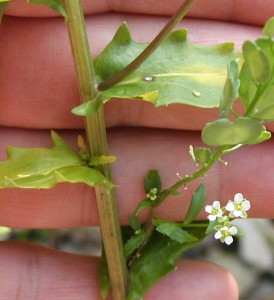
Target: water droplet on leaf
{"type": "Point", "coordinates": [196, 93]}
{"type": "Point", "coordinates": [148, 78]}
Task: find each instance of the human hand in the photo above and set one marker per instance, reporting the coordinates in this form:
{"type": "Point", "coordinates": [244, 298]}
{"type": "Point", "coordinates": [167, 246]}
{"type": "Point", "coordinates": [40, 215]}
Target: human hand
{"type": "Point", "coordinates": [38, 90]}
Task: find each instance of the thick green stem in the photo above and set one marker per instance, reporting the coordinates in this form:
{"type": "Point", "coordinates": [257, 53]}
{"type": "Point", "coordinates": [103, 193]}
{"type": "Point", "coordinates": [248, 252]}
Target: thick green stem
{"type": "Point", "coordinates": [96, 135]}
{"type": "Point", "coordinates": [176, 18]}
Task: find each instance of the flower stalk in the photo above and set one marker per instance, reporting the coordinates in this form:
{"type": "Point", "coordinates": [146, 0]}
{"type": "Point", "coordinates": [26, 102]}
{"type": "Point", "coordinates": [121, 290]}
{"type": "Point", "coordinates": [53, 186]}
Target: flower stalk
{"type": "Point", "coordinates": [97, 141]}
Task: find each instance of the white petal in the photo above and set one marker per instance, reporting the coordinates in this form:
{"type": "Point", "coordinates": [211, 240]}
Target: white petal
{"type": "Point", "coordinates": [233, 230]}
{"type": "Point", "coordinates": [218, 235]}
{"type": "Point", "coordinates": [212, 217]}
{"type": "Point", "coordinates": [238, 198]}
{"type": "Point", "coordinates": [237, 213]}
{"type": "Point", "coordinates": [216, 204]}
{"type": "Point", "coordinates": [228, 240]}
{"type": "Point", "coordinates": [208, 209]}
{"type": "Point", "coordinates": [230, 206]}
{"type": "Point", "coordinates": [246, 205]}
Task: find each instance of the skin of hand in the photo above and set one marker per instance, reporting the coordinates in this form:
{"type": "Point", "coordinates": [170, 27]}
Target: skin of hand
{"type": "Point", "coordinates": [38, 90]}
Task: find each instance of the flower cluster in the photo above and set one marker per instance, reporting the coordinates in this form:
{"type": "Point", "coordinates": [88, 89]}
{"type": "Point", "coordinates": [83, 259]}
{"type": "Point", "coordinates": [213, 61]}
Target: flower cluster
{"type": "Point", "coordinates": [223, 227]}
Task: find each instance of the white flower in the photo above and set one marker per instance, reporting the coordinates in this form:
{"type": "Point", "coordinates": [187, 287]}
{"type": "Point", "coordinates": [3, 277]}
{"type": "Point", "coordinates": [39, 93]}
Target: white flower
{"type": "Point", "coordinates": [214, 211]}
{"type": "Point", "coordinates": [225, 233]}
{"type": "Point", "coordinates": [238, 207]}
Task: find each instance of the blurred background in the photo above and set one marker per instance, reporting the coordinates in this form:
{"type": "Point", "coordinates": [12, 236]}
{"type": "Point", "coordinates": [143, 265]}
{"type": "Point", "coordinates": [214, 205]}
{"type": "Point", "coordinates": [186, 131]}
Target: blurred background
{"type": "Point", "coordinates": [249, 259]}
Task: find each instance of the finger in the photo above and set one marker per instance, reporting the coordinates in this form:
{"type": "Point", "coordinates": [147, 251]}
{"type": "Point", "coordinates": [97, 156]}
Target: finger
{"type": "Point", "coordinates": [230, 10]}
{"type": "Point", "coordinates": [37, 78]}
{"type": "Point", "coordinates": [32, 272]}
{"type": "Point", "coordinates": [248, 172]}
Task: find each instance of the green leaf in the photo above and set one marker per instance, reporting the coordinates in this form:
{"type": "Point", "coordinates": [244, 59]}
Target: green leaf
{"type": "Point", "coordinates": [230, 89]}
{"type": "Point", "coordinates": [257, 62]}
{"type": "Point", "coordinates": [133, 243]}
{"type": "Point", "coordinates": [200, 155]}
{"type": "Point", "coordinates": [211, 227]}
{"type": "Point", "coordinates": [44, 168]}
{"type": "Point", "coordinates": [153, 180]}
{"type": "Point", "coordinates": [157, 260]}
{"type": "Point", "coordinates": [101, 160]}
{"type": "Point", "coordinates": [177, 72]}
{"type": "Point", "coordinates": [197, 203]}
{"type": "Point", "coordinates": [268, 29]}
{"type": "Point", "coordinates": [175, 232]}
{"type": "Point", "coordinates": [3, 5]}
{"type": "Point", "coordinates": [225, 132]}
{"type": "Point", "coordinates": [264, 136]}
{"type": "Point", "coordinates": [56, 5]}
{"type": "Point", "coordinates": [143, 204]}
{"type": "Point", "coordinates": [134, 222]}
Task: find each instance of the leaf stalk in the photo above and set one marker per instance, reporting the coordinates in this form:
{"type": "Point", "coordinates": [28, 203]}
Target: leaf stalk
{"type": "Point", "coordinates": [175, 19]}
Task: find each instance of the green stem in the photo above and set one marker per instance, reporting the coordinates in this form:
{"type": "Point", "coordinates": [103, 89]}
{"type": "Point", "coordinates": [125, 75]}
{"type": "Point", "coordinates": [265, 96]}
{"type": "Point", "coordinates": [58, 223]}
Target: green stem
{"type": "Point", "coordinates": [97, 140]}
{"type": "Point", "coordinates": [260, 91]}
{"type": "Point", "coordinates": [164, 194]}
{"type": "Point", "coordinates": [177, 17]}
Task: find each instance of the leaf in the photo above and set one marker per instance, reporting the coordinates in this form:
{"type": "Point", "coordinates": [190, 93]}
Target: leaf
{"type": "Point", "coordinates": [197, 203]}
{"type": "Point", "coordinates": [268, 29]}
{"type": "Point", "coordinates": [175, 232]}
{"type": "Point", "coordinates": [257, 62]}
{"type": "Point", "coordinates": [230, 89]}
{"type": "Point", "coordinates": [3, 5]}
{"type": "Point", "coordinates": [143, 204]}
{"type": "Point", "coordinates": [157, 260]}
{"type": "Point", "coordinates": [153, 180]}
{"type": "Point", "coordinates": [264, 136]}
{"type": "Point", "coordinates": [225, 132]}
{"type": "Point", "coordinates": [133, 243]}
{"type": "Point", "coordinates": [102, 160]}
{"type": "Point", "coordinates": [44, 168]}
{"type": "Point", "coordinates": [200, 155]}
{"type": "Point", "coordinates": [134, 222]}
{"type": "Point", "coordinates": [177, 72]}
{"type": "Point", "coordinates": [56, 5]}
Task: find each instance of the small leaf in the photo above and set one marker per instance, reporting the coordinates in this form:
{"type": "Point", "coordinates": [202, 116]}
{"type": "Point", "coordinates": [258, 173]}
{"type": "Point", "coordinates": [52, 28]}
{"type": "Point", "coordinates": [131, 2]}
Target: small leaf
{"type": "Point", "coordinates": [143, 204]}
{"type": "Point", "coordinates": [257, 62]}
{"type": "Point", "coordinates": [197, 203]}
{"type": "Point", "coordinates": [268, 29]}
{"type": "Point", "coordinates": [225, 132]}
{"type": "Point", "coordinates": [133, 243]}
{"type": "Point", "coordinates": [134, 222]}
{"type": "Point", "coordinates": [153, 180]}
{"type": "Point", "coordinates": [200, 155]}
{"type": "Point", "coordinates": [56, 5]}
{"type": "Point", "coordinates": [176, 233]}
{"type": "Point", "coordinates": [101, 160]}
{"type": "Point", "coordinates": [230, 89]}
{"type": "Point", "coordinates": [211, 227]}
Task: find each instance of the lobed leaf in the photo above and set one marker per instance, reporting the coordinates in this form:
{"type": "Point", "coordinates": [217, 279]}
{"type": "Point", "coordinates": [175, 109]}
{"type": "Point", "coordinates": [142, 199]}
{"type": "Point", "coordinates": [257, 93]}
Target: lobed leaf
{"type": "Point", "coordinates": [200, 155]}
{"type": "Point", "coordinates": [45, 167]}
{"type": "Point", "coordinates": [177, 72]}
{"type": "Point", "coordinates": [225, 132]}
